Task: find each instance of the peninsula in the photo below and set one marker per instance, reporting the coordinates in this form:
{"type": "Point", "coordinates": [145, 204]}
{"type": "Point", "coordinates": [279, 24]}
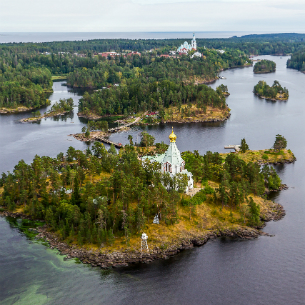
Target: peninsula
{"type": "Point", "coordinates": [97, 204]}
{"type": "Point", "coordinates": [62, 107]}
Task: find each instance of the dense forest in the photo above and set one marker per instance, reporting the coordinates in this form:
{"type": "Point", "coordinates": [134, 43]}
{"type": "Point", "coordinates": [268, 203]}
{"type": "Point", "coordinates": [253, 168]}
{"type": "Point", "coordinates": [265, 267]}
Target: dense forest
{"type": "Point", "coordinates": [264, 44]}
{"type": "Point", "coordinates": [137, 95]}
{"type": "Point", "coordinates": [92, 197]}
{"type": "Point", "coordinates": [24, 87]}
{"type": "Point", "coordinates": [264, 66]}
{"type": "Point", "coordinates": [297, 61]}
{"type": "Point", "coordinates": [26, 68]}
{"type": "Point", "coordinates": [276, 91]}
{"type": "Point", "coordinates": [156, 68]}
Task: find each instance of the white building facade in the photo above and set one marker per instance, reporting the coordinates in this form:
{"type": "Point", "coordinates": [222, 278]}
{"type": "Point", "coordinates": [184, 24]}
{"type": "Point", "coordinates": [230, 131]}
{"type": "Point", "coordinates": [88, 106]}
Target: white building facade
{"type": "Point", "coordinates": [185, 47]}
{"type": "Point", "coordinates": [172, 162]}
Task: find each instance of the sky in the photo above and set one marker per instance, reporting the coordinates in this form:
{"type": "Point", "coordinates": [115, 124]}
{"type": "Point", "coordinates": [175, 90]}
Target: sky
{"type": "Point", "coordinates": [270, 16]}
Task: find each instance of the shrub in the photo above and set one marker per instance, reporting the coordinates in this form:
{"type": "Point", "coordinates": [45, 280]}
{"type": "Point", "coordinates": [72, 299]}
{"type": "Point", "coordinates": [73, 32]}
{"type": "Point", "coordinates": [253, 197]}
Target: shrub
{"type": "Point", "coordinates": [184, 202]}
{"type": "Point", "coordinates": [198, 198]}
{"type": "Point", "coordinates": [209, 190]}
{"type": "Point", "coordinates": [265, 157]}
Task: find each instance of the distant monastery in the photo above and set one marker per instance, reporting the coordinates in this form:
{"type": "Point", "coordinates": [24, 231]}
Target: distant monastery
{"type": "Point", "coordinates": [172, 162]}
{"type": "Point", "coordinates": [185, 47]}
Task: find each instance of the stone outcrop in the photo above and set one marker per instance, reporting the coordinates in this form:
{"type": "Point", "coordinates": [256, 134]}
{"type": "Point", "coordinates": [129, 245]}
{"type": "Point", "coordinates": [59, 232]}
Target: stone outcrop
{"type": "Point", "coordinates": [106, 259]}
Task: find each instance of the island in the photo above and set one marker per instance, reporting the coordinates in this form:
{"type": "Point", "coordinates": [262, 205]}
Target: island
{"type": "Point", "coordinates": [97, 204]}
{"type": "Point", "coordinates": [274, 93]}
{"type": "Point", "coordinates": [177, 103]}
{"type": "Point", "coordinates": [62, 107]}
{"type": "Point", "coordinates": [264, 66]}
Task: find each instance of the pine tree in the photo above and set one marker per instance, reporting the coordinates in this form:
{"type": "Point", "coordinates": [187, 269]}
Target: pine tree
{"type": "Point", "coordinates": [280, 143]}
{"type": "Point", "coordinates": [254, 211]}
{"type": "Point", "coordinates": [244, 146]}
{"type": "Point", "coordinates": [75, 197]}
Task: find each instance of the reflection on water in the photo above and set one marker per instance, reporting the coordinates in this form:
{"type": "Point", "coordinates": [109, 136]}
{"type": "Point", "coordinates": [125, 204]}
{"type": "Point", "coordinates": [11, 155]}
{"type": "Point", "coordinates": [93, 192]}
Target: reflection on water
{"type": "Point", "coordinates": [268, 270]}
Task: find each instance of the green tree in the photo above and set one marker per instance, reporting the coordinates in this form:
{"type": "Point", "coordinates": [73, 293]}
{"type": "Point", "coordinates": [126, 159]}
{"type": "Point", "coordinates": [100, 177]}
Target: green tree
{"type": "Point", "coordinates": [87, 133]}
{"type": "Point", "coordinates": [130, 138]}
{"type": "Point", "coordinates": [280, 143]}
{"type": "Point", "coordinates": [254, 212]}
{"type": "Point", "coordinates": [112, 150]}
{"type": "Point", "coordinates": [243, 145]}
{"type": "Point", "coordinates": [147, 139]}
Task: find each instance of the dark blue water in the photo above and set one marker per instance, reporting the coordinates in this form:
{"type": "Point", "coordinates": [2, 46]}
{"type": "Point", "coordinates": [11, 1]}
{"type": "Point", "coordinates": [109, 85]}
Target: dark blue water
{"type": "Point", "coordinates": [268, 270]}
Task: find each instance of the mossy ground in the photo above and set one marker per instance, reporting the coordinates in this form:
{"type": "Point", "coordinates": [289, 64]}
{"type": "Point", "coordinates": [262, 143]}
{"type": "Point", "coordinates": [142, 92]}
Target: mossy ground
{"type": "Point", "coordinates": [13, 110]}
{"type": "Point", "coordinates": [193, 114]}
{"type": "Point", "coordinates": [59, 77]}
{"type": "Point", "coordinates": [266, 156]}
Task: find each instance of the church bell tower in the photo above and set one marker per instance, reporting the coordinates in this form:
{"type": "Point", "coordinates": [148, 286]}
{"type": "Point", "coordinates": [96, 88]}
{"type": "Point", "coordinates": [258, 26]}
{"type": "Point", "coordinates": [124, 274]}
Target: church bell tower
{"type": "Point", "coordinates": [194, 43]}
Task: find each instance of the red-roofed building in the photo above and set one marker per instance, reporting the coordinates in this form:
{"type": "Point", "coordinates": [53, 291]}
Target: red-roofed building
{"type": "Point", "coordinates": [133, 53]}
{"type": "Point", "coordinates": [111, 54]}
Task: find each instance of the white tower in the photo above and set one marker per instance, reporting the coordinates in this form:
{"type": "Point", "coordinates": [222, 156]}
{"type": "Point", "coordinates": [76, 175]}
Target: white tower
{"type": "Point", "coordinates": [194, 43]}
{"type": "Point", "coordinates": [144, 245]}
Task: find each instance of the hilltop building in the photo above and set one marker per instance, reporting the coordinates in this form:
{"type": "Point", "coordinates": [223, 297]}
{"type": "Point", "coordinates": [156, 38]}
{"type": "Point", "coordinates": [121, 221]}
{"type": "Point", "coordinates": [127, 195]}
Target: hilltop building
{"type": "Point", "coordinates": [172, 162]}
{"type": "Point", "coordinates": [185, 47]}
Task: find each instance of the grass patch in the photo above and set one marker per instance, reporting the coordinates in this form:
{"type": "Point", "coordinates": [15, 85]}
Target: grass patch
{"type": "Point", "coordinates": [190, 113]}
{"type": "Point", "coordinates": [265, 156]}
{"type": "Point", "coordinates": [59, 77]}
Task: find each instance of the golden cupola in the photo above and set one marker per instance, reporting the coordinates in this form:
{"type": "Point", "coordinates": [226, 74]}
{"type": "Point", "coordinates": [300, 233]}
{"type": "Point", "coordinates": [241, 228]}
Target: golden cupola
{"type": "Point", "coordinates": [172, 136]}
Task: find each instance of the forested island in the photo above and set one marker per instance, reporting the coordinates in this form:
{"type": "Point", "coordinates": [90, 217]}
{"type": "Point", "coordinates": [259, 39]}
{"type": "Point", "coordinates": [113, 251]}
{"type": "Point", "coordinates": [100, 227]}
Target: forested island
{"type": "Point", "coordinates": [297, 61]}
{"type": "Point", "coordinates": [273, 93]}
{"type": "Point", "coordinates": [171, 101]}
{"type": "Point", "coordinates": [264, 66]}
{"type": "Point", "coordinates": [96, 203]}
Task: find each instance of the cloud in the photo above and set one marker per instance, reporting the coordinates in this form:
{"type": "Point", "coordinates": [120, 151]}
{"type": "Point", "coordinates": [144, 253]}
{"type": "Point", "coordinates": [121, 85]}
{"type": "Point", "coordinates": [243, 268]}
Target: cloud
{"type": "Point", "coordinates": [152, 15]}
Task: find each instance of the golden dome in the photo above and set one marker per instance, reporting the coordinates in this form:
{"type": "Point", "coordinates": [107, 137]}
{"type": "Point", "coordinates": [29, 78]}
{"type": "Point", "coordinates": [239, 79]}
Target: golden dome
{"type": "Point", "coordinates": [172, 136]}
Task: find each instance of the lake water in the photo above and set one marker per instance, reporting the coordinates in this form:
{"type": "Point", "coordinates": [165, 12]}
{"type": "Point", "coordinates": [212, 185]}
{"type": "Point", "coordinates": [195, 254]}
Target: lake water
{"type": "Point", "coordinates": [268, 270]}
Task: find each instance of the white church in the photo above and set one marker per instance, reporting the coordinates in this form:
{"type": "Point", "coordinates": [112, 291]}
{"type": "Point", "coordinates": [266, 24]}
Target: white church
{"type": "Point", "coordinates": [185, 47]}
{"type": "Point", "coordinates": [172, 162]}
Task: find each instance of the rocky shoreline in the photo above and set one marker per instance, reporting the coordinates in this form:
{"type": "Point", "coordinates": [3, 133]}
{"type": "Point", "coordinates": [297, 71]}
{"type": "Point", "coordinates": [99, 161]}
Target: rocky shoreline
{"type": "Point", "coordinates": [281, 162]}
{"type": "Point", "coordinates": [271, 99]}
{"type": "Point", "coordinates": [105, 260]}
{"type": "Point", "coordinates": [264, 72]}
